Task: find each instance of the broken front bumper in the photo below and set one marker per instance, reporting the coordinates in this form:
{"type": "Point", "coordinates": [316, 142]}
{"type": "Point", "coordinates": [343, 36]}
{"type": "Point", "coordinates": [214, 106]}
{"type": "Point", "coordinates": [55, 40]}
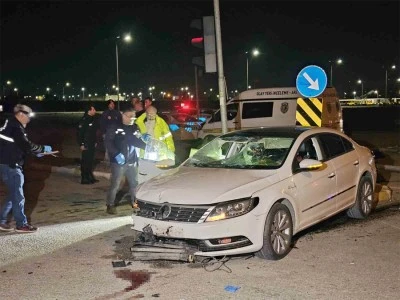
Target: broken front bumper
{"type": "Point", "coordinates": [239, 235]}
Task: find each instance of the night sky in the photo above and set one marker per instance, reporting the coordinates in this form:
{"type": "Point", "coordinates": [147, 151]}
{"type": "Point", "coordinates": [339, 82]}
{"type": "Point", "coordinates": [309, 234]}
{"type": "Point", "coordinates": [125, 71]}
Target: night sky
{"type": "Point", "coordinates": [45, 44]}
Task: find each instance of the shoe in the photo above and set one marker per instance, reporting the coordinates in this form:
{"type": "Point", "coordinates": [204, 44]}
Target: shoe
{"type": "Point", "coordinates": [111, 210]}
{"type": "Point", "coordinates": [26, 229]}
{"type": "Point", "coordinates": [6, 227]}
{"type": "Point", "coordinates": [95, 180]}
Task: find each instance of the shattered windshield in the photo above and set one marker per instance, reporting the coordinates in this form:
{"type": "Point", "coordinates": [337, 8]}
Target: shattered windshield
{"type": "Point", "coordinates": [243, 152]}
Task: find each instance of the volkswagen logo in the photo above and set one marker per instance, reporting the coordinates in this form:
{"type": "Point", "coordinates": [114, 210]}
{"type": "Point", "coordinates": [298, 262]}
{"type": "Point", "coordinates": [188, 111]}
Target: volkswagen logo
{"type": "Point", "coordinates": [164, 211]}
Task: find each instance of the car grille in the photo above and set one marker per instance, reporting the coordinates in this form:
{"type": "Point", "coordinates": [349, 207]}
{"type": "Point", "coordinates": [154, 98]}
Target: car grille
{"type": "Point", "coordinates": [178, 213]}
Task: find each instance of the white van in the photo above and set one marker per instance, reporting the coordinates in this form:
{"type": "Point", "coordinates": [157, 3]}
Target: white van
{"type": "Point", "coordinates": [277, 107]}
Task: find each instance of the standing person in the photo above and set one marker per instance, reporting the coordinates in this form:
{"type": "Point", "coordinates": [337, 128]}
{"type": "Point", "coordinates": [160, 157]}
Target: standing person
{"type": "Point", "coordinates": [110, 117]}
{"type": "Point", "coordinates": [138, 106]}
{"type": "Point", "coordinates": [156, 127]}
{"type": "Point", "coordinates": [14, 147]}
{"type": "Point", "coordinates": [147, 103]}
{"type": "Point", "coordinates": [121, 143]}
{"type": "Point", "coordinates": [87, 137]}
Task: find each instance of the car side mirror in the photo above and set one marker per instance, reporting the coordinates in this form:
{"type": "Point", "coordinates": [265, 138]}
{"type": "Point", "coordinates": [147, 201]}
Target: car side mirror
{"type": "Point", "coordinates": [308, 164]}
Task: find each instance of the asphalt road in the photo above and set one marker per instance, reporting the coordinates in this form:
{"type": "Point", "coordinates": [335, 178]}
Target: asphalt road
{"type": "Point", "coordinates": [342, 259]}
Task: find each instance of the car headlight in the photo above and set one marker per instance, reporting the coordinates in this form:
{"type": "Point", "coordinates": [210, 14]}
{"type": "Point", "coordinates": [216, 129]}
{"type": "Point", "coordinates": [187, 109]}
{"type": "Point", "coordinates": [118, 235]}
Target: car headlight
{"type": "Point", "coordinates": [232, 209]}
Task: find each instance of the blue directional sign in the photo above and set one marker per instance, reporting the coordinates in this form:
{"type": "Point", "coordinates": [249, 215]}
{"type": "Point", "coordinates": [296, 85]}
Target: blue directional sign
{"type": "Point", "coordinates": [311, 81]}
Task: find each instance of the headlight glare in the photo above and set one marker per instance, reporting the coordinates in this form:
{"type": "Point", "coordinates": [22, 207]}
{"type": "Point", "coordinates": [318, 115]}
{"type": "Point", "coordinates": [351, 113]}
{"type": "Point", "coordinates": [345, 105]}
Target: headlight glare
{"type": "Point", "coordinates": [232, 209]}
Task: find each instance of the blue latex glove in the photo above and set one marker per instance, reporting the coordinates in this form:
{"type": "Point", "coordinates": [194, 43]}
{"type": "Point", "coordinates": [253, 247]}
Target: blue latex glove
{"type": "Point", "coordinates": [146, 137]}
{"type": "Point", "coordinates": [45, 149]}
{"type": "Point", "coordinates": [120, 158]}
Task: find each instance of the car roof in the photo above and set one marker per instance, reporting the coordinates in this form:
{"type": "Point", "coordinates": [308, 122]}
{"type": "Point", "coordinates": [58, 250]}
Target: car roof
{"type": "Point", "coordinates": [289, 131]}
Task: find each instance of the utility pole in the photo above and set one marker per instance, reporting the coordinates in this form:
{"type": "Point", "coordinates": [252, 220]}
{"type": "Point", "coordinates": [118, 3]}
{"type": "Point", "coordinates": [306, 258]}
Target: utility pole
{"type": "Point", "coordinates": [221, 77]}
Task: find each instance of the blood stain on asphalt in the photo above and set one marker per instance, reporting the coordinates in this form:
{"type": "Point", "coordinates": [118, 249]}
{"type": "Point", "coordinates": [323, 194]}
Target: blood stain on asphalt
{"type": "Point", "coordinates": [136, 278]}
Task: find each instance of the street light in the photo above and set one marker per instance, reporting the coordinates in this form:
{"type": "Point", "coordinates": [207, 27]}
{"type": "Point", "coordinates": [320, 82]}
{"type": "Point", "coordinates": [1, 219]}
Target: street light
{"type": "Point", "coordinates": [386, 79]}
{"type": "Point", "coordinates": [338, 61]}
{"type": "Point", "coordinates": [377, 94]}
{"type": "Point", "coordinates": [362, 87]}
{"type": "Point", "coordinates": [127, 38]}
{"type": "Point", "coordinates": [66, 84]}
{"type": "Point", "coordinates": [254, 52]}
{"type": "Point", "coordinates": [8, 82]}
{"type": "Point", "coordinates": [150, 90]}
{"type": "Point", "coordinates": [83, 93]}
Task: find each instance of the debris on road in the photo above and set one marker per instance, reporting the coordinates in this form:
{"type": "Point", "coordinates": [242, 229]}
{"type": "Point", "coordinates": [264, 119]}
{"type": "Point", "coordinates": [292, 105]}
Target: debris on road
{"type": "Point", "coordinates": [119, 264]}
{"type": "Point", "coordinates": [232, 288]}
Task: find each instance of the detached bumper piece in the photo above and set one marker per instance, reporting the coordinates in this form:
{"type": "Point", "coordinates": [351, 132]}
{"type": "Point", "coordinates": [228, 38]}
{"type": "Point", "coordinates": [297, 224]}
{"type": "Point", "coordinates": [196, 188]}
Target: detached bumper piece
{"type": "Point", "coordinates": [146, 248]}
{"type": "Point", "coordinates": [161, 251]}
{"type": "Point", "coordinates": [149, 247]}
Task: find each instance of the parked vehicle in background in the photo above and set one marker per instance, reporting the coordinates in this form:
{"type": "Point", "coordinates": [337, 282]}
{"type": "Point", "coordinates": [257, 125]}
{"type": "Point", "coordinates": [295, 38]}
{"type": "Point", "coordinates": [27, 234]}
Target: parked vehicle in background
{"type": "Point", "coordinates": [276, 107]}
{"type": "Point", "coordinates": [252, 190]}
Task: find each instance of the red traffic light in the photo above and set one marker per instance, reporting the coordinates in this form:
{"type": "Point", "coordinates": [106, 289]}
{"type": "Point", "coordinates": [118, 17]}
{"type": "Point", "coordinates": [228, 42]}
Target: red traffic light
{"type": "Point", "coordinates": [198, 42]}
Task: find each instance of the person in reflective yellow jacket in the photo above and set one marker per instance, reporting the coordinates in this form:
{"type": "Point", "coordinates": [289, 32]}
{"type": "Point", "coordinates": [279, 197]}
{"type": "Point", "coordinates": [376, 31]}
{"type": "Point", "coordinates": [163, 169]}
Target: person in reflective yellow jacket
{"type": "Point", "coordinates": [156, 127]}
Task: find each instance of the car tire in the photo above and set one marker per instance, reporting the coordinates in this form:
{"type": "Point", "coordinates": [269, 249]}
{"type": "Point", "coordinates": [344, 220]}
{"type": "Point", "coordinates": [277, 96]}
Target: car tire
{"type": "Point", "coordinates": [364, 199]}
{"type": "Point", "coordinates": [278, 233]}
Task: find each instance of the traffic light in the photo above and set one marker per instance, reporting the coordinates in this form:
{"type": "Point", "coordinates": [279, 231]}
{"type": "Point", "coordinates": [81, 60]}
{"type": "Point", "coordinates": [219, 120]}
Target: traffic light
{"type": "Point", "coordinates": [206, 42]}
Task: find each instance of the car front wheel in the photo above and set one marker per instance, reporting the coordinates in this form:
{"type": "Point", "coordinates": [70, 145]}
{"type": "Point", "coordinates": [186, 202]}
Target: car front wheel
{"type": "Point", "coordinates": [278, 232]}
{"type": "Point", "coordinates": [364, 200]}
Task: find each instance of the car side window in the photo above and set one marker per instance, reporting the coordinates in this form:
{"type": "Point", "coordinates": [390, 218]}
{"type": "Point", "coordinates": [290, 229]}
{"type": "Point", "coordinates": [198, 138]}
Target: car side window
{"type": "Point", "coordinates": [347, 145]}
{"type": "Point", "coordinates": [332, 144]}
{"type": "Point", "coordinates": [306, 150]}
{"type": "Point", "coordinates": [231, 112]}
{"type": "Point", "coordinates": [257, 110]}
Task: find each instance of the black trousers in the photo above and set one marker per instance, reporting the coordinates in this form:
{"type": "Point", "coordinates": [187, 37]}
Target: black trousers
{"type": "Point", "coordinates": [87, 163]}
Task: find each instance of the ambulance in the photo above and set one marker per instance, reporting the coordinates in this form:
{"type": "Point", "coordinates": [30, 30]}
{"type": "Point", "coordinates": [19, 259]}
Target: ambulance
{"type": "Point", "coordinates": [267, 107]}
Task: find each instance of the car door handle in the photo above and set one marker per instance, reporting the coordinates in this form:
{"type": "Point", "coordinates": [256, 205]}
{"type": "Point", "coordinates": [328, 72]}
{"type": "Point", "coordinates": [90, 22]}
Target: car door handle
{"type": "Point", "coordinates": [356, 163]}
{"type": "Point", "coordinates": [331, 175]}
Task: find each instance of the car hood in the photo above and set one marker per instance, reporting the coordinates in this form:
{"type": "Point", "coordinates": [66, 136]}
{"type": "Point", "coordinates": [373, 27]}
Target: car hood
{"type": "Point", "coordinates": [196, 186]}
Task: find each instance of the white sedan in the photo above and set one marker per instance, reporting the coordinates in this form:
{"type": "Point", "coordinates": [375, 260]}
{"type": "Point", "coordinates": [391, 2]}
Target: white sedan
{"type": "Point", "coordinates": [252, 190]}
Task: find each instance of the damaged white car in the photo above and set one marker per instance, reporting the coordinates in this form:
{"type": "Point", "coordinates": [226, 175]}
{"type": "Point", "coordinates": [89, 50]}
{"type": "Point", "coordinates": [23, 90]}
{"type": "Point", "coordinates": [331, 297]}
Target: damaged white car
{"type": "Point", "coordinates": [252, 190]}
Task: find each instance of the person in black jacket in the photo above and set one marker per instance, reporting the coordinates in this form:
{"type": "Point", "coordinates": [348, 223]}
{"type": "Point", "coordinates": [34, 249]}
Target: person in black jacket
{"type": "Point", "coordinates": [87, 140]}
{"type": "Point", "coordinates": [108, 118]}
{"type": "Point", "coordinates": [122, 142]}
{"type": "Point", "coordinates": [14, 147]}
{"type": "Point", "coordinates": [137, 105]}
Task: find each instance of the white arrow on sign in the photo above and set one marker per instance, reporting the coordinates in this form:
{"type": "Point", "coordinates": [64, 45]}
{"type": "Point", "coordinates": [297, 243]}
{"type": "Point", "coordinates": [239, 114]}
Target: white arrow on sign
{"type": "Point", "coordinates": [313, 84]}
